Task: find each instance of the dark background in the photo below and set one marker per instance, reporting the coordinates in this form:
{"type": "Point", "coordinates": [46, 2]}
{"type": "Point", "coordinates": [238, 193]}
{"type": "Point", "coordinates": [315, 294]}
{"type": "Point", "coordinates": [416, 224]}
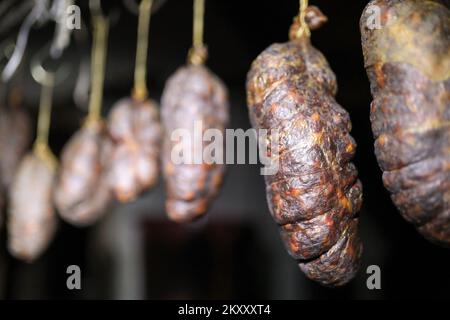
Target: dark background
{"type": "Point", "coordinates": [235, 252]}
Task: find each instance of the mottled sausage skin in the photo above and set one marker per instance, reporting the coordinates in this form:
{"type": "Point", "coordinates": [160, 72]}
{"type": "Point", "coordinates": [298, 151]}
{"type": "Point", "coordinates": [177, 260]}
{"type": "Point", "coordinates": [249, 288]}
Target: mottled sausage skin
{"type": "Point", "coordinates": [136, 133]}
{"type": "Point", "coordinates": [31, 218]}
{"type": "Point", "coordinates": [82, 193]}
{"type": "Point", "coordinates": [315, 194]}
{"type": "Point", "coordinates": [193, 95]}
{"type": "Point", "coordinates": [408, 64]}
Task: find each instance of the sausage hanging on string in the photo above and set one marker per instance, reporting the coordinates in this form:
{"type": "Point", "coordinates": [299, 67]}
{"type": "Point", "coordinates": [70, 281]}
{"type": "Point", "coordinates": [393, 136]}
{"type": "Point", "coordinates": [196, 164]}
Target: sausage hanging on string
{"type": "Point", "coordinates": [315, 195]}
{"type": "Point", "coordinates": [134, 126]}
{"type": "Point", "coordinates": [31, 217]}
{"type": "Point", "coordinates": [407, 57]}
{"type": "Point", "coordinates": [82, 193]}
{"type": "Point", "coordinates": [193, 98]}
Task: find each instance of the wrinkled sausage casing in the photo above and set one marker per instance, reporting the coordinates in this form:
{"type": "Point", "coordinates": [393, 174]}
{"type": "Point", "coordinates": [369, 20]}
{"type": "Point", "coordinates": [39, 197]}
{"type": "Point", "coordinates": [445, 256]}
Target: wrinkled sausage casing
{"type": "Point", "coordinates": [193, 96]}
{"type": "Point", "coordinates": [408, 64]}
{"type": "Point", "coordinates": [15, 138]}
{"type": "Point", "coordinates": [315, 194]}
{"type": "Point", "coordinates": [82, 193]}
{"type": "Point", "coordinates": [32, 220]}
{"type": "Point", "coordinates": [135, 130]}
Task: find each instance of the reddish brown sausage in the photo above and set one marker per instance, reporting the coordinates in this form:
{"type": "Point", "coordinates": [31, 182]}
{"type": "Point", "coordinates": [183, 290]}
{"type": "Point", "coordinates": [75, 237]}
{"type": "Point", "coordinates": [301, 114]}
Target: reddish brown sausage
{"type": "Point", "coordinates": [82, 193]}
{"type": "Point", "coordinates": [315, 194]}
{"type": "Point", "coordinates": [191, 95]}
{"type": "Point", "coordinates": [136, 133]}
{"type": "Point", "coordinates": [32, 220]}
{"type": "Point", "coordinates": [407, 57]}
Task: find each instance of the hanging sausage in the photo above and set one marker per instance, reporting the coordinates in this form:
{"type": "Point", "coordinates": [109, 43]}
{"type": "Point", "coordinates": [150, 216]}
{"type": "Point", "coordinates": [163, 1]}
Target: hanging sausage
{"type": "Point", "coordinates": [32, 220]}
{"type": "Point", "coordinates": [406, 47]}
{"type": "Point", "coordinates": [134, 127]}
{"type": "Point", "coordinates": [82, 192]}
{"type": "Point", "coordinates": [193, 96]}
{"type": "Point", "coordinates": [315, 195]}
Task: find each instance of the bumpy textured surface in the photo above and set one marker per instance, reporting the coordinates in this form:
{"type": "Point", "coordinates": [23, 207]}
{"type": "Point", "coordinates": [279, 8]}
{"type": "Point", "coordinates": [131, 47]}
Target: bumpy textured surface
{"type": "Point", "coordinates": [15, 138]}
{"type": "Point", "coordinates": [136, 133]}
{"type": "Point", "coordinates": [193, 95]}
{"type": "Point", "coordinates": [315, 194]}
{"type": "Point", "coordinates": [408, 64]}
{"type": "Point", "coordinates": [82, 193]}
{"type": "Point", "coordinates": [32, 220]}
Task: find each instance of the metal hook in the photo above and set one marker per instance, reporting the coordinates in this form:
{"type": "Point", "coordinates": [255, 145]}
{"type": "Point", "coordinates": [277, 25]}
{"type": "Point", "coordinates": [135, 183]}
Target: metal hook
{"type": "Point", "coordinates": [41, 75]}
